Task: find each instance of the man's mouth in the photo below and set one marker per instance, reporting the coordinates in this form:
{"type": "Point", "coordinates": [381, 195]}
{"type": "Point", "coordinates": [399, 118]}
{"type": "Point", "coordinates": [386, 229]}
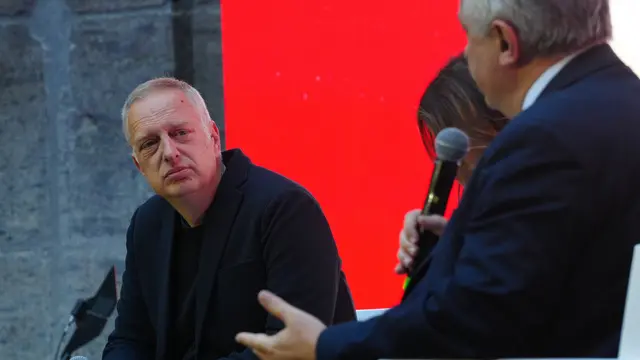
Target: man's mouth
{"type": "Point", "coordinates": [176, 171]}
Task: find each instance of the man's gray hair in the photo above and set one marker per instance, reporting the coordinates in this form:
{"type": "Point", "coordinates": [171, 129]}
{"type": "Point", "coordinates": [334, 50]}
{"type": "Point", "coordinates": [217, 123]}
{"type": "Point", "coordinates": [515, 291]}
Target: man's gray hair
{"type": "Point", "coordinates": [143, 90]}
{"type": "Point", "coordinates": [545, 27]}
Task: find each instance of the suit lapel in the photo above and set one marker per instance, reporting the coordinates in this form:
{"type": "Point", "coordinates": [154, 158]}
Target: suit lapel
{"type": "Point", "coordinates": [164, 267]}
{"type": "Point", "coordinates": [217, 224]}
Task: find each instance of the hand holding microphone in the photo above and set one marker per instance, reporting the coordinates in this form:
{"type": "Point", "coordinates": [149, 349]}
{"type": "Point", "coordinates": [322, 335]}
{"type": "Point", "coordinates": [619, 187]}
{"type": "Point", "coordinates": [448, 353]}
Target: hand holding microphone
{"type": "Point", "coordinates": [414, 222]}
{"type": "Point", "coordinates": [451, 147]}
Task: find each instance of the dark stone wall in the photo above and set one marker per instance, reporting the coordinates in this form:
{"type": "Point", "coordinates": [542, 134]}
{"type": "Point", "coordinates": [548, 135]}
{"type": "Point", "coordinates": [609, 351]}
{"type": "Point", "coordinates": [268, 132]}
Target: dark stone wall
{"type": "Point", "coordinates": [67, 184]}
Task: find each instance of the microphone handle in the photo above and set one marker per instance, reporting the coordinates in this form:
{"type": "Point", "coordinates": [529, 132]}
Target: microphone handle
{"type": "Point", "coordinates": [442, 179]}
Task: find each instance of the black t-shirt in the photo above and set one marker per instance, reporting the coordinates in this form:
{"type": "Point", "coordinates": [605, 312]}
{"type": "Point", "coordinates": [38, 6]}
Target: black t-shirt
{"type": "Point", "coordinates": [187, 243]}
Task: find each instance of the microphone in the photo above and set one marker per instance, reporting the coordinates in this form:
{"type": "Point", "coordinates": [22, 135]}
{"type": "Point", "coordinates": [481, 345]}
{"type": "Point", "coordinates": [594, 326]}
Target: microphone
{"type": "Point", "coordinates": [451, 145]}
{"type": "Point", "coordinates": [90, 316]}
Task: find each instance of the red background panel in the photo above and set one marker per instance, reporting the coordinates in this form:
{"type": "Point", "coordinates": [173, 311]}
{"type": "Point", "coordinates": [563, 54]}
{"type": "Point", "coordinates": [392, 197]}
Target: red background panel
{"type": "Point", "coordinates": [325, 92]}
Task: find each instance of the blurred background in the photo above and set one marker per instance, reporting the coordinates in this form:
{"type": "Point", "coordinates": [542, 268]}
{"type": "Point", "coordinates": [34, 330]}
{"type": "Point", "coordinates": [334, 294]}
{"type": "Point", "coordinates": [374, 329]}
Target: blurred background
{"type": "Point", "coordinates": [323, 91]}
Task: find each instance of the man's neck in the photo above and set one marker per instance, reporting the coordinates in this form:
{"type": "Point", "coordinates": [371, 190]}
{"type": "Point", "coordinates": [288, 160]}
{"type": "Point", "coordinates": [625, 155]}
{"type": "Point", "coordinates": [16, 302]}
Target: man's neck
{"type": "Point", "coordinates": [192, 207]}
{"type": "Point", "coordinates": [526, 77]}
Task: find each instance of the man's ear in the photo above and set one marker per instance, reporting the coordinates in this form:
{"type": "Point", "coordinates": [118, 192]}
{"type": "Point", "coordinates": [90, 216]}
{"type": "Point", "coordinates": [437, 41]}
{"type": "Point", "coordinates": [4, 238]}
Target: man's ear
{"type": "Point", "coordinates": [135, 161]}
{"type": "Point", "coordinates": [213, 129]}
{"type": "Point", "coordinates": [507, 38]}
{"type": "Point", "coordinates": [214, 132]}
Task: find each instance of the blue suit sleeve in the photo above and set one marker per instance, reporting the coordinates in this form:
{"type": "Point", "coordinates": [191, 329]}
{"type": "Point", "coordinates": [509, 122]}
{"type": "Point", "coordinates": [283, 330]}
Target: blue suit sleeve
{"type": "Point", "coordinates": [527, 212]}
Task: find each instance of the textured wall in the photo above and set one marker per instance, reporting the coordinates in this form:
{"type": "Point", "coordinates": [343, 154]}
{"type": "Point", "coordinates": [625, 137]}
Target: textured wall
{"type": "Point", "coordinates": [67, 184]}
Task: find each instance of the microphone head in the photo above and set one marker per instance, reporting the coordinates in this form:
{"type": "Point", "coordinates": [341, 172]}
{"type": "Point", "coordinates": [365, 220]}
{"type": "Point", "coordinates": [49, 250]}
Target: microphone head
{"type": "Point", "coordinates": [451, 144]}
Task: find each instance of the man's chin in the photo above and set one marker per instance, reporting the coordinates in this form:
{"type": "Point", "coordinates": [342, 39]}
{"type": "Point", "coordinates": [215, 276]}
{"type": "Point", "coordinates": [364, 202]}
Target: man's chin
{"type": "Point", "coordinates": [180, 188]}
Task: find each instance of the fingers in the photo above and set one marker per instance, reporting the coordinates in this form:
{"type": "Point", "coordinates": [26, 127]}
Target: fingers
{"type": "Point", "coordinates": [409, 236]}
{"type": "Point", "coordinates": [410, 228]}
{"type": "Point", "coordinates": [408, 240]}
{"type": "Point", "coordinates": [408, 247]}
{"type": "Point", "coordinates": [405, 257]}
{"type": "Point", "coordinates": [275, 305]}
{"type": "Point", "coordinates": [261, 344]}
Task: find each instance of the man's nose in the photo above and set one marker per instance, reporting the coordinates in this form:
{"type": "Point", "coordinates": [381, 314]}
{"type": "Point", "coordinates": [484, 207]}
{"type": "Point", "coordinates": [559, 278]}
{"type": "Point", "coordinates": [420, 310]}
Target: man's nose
{"type": "Point", "coordinates": [170, 153]}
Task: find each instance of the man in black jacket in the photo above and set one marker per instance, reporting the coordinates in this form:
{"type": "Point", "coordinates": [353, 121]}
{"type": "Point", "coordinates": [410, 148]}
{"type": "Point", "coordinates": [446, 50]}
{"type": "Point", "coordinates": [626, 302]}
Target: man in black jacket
{"type": "Point", "coordinates": [218, 230]}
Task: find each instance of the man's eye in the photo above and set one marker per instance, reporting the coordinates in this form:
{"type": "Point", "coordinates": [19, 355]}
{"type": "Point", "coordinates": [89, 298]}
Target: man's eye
{"type": "Point", "coordinates": [181, 132]}
{"type": "Point", "coordinates": [146, 144]}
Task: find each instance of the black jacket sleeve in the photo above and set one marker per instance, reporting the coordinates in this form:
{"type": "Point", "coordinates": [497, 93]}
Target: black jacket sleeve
{"type": "Point", "coordinates": [303, 266]}
{"type": "Point", "coordinates": [301, 256]}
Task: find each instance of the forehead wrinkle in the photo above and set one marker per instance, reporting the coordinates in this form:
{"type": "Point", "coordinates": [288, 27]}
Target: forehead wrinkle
{"type": "Point", "coordinates": [157, 113]}
{"type": "Point", "coordinates": [153, 115]}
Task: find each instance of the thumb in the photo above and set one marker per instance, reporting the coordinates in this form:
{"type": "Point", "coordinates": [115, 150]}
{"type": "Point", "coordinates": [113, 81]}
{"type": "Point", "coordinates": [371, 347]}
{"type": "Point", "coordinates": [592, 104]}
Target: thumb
{"type": "Point", "coordinates": [433, 223]}
{"type": "Point", "coordinates": [275, 305]}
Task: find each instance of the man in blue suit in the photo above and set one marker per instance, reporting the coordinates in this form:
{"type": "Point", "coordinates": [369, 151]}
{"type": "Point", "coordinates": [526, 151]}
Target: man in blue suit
{"type": "Point", "coordinates": [535, 261]}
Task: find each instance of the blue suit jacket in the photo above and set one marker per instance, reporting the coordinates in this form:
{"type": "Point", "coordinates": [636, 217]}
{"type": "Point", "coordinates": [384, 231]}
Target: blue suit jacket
{"type": "Point", "coordinates": [536, 259]}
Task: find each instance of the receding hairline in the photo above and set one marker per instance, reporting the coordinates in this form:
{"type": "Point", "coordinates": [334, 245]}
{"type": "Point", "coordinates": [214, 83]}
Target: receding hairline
{"type": "Point", "coordinates": [149, 87]}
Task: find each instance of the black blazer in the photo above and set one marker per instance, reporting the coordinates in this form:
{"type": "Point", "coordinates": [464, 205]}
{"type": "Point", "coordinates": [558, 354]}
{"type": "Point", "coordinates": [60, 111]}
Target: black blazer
{"type": "Point", "coordinates": [535, 260]}
{"type": "Point", "coordinates": [263, 231]}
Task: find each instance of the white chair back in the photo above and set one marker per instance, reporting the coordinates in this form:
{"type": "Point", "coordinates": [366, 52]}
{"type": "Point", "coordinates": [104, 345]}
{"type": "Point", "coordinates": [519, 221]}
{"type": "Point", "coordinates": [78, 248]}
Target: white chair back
{"type": "Point", "coordinates": [630, 336]}
{"type": "Point", "coordinates": [367, 314]}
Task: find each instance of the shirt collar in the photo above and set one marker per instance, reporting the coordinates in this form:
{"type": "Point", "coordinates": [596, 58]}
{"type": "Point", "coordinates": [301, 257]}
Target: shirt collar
{"type": "Point", "coordinates": [541, 83]}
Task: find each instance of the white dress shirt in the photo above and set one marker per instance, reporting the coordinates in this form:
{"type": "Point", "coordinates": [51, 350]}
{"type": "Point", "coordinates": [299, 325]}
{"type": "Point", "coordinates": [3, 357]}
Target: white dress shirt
{"type": "Point", "coordinates": [541, 83]}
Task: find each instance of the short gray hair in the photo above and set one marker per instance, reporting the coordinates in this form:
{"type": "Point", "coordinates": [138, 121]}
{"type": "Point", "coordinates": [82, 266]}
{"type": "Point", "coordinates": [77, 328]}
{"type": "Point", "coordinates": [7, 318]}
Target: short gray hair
{"type": "Point", "coordinates": [545, 27]}
{"type": "Point", "coordinates": [143, 90]}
